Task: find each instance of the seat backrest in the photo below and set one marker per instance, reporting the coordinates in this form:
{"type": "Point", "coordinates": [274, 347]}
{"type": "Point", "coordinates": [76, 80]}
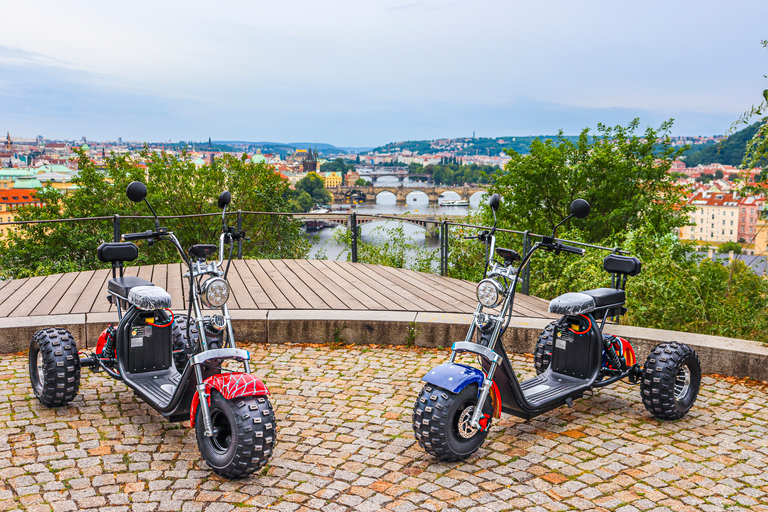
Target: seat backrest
{"type": "Point", "coordinates": [110, 252]}
{"type": "Point", "coordinates": [617, 264]}
{"type": "Point", "coordinates": [116, 253]}
{"type": "Point", "coordinates": [620, 267]}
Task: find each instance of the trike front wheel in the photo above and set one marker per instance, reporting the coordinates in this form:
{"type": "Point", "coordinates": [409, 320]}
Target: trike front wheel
{"type": "Point", "coordinates": [243, 434]}
{"type": "Point", "coordinates": [441, 422]}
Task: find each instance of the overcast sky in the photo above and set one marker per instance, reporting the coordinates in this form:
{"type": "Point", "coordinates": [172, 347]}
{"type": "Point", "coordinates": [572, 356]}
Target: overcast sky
{"type": "Point", "coordinates": [365, 73]}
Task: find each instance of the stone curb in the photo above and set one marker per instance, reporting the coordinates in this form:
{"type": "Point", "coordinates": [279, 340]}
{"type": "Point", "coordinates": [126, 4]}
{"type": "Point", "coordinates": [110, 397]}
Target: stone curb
{"type": "Point", "coordinates": [725, 356]}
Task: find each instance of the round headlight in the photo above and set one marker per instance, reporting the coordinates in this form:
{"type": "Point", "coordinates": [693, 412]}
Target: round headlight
{"type": "Point", "coordinates": [214, 292]}
{"type": "Point", "coordinates": [489, 293]}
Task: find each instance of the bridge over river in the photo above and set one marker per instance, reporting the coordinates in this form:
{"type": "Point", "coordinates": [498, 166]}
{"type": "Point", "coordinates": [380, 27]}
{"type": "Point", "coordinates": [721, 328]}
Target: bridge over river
{"type": "Point", "coordinates": [401, 192]}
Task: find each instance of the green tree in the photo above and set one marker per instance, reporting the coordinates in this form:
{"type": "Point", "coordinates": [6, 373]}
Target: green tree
{"type": "Point", "coordinates": [756, 150]}
{"type": "Point", "coordinates": [175, 187]}
{"type": "Point", "coordinates": [730, 246]}
{"type": "Point", "coordinates": [361, 182]}
{"type": "Point", "coordinates": [337, 166]}
{"type": "Point", "coordinates": [623, 175]}
{"type": "Point", "coordinates": [313, 185]}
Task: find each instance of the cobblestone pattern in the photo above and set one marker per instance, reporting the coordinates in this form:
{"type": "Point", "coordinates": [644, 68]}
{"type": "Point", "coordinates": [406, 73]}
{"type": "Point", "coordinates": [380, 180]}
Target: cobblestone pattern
{"type": "Point", "coordinates": [345, 443]}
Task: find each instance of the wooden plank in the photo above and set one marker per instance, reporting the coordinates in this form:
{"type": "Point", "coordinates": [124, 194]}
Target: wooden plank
{"type": "Point", "coordinates": [350, 296]}
{"type": "Point", "coordinates": [459, 290]}
{"type": "Point", "coordinates": [175, 285]}
{"type": "Point", "coordinates": [444, 289]}
{"type": "Point", "coordinates": [89, 294]}
{"type": "Point", "coordinates": [101, 304]}
{"type": "Point", "coordinates": [263, 291]}
{"type": "Point", "coordinates": [46, 305]}
{"type": "Point", "coordinates": [239, 288]}
{"type": "Point", "coordinates": [10, 289]}
{"type": "Point", "coordinates": [34, 298]}
{"type": "Point", "coordinates": [316, 282]}
{"type": "Point", "coordinates": [294, 297]}
{"type": "Point", "coordinates": [17, 297]}
{"type": "Point", "coordinates": [386, 277]}
{"type": "Point", "coordinates": [159, 276]}
{"type": "Point", "coordinates": [129, 271]}
{"type": "Point", "coordinates": [309, 295]}
{"type": "Point", "coordinates": [145, 272]}
{"type": "Point", "coordinates": [354, 277]}
{"type": "Point", "coordinates": [4, 283]}
{"type": "Point", "coordinates": [71, 296]}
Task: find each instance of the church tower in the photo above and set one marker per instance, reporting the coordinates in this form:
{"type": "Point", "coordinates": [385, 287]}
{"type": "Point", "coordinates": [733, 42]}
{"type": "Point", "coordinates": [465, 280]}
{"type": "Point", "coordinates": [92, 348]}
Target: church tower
{"type": "Point", "coordinates": [310, 163]}
{"type": "Point", "coordinates": [8, 142]}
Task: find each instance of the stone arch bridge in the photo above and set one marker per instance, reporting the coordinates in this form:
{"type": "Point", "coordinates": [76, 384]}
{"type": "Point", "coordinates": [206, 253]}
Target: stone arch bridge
{"type": "Point", "coordinates": [401, 193]}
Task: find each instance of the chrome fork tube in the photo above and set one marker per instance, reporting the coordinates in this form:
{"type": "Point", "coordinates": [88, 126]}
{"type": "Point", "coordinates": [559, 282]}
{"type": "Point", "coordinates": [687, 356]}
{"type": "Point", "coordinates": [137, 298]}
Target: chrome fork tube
{"type": "Point", "coordinates": [203, 396]}
{"type": "Point", "coordinates": [485, 389]}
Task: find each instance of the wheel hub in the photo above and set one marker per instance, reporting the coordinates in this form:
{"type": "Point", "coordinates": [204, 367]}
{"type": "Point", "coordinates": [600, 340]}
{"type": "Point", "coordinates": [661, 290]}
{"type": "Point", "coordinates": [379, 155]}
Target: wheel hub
{"type": "Point", "coordinates": [222, 435]}
{"type": "Point", "coordinates": [682, 382]}
{"type": "Point", "coordinates": [465, 430]}
{"type": "Point", "coordinates": [40, 367]}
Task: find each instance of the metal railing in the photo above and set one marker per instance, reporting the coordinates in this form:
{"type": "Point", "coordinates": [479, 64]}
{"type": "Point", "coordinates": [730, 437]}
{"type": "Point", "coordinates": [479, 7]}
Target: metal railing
{"type": "Point", "coordinates": [352, 224]}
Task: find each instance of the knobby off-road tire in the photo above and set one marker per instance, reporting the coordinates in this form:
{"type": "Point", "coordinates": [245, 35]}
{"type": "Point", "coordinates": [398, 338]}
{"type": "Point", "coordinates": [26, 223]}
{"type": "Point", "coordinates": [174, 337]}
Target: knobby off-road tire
{"type": "Point", "coordinates": [671, 380]}
{"type": "Point", "coordinates": [54, 367]}
{"type": "Point", "coordinates": [542, 352]}
{"type": "Point", "coordinates": [183, 347]}
{"type": "Point", "coordinates": [244, 434]}
{"type": "Point", "coordinates": [437, 415]}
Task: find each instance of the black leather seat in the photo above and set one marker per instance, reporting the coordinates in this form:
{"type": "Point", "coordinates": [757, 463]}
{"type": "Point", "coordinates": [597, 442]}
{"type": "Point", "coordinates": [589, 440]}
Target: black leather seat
{"type": "Point", "coordinates": [606, 297]}
{"type": "Point", "coordinates": [121, 286]}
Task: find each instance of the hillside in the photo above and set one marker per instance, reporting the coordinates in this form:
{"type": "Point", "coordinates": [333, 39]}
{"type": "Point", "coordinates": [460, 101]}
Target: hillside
{"type": "Point", "coordinates": [730, 151]}
{"type": "Point", "coordinates": [466, 146]}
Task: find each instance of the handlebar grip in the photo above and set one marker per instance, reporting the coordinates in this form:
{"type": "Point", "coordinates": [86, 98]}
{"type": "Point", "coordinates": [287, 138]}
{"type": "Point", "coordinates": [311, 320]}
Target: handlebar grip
{"type": "Point", "coordinates": [569, 248]}
{"type": "Point", "coordinates": [139, 236]}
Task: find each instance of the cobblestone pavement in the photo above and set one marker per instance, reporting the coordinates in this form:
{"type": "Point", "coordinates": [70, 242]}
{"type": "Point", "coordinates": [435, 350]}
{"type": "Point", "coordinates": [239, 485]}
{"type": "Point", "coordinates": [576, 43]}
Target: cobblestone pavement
{"type": "Point", "coordinates": [345, 443]}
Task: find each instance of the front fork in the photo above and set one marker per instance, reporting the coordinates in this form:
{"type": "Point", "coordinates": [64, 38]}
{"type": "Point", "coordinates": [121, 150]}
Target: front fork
{"type": "Point", "coordinates": [201, 394]}
{"type": "Point", "coordinates": [485, 388]}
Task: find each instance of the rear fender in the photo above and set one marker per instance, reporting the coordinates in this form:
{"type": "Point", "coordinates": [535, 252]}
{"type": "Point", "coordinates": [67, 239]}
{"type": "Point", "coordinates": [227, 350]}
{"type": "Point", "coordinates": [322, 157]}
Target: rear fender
{"type": "Point", "coordinates": [455, 377]}
{"type": "Point", "coordinates": [230, 385]}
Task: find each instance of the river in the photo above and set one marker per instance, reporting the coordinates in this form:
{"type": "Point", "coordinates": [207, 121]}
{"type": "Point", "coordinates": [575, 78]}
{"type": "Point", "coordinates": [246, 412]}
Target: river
{"type": "Point", "coordinates": [417, 202]}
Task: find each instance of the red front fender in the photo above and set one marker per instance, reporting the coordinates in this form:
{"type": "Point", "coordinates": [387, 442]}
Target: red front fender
{"type": "Point", "coordinates": [230, 385]}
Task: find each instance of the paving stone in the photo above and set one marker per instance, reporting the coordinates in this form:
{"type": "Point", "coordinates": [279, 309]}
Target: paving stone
{"type": "Point", "coordinates": [345, 444]}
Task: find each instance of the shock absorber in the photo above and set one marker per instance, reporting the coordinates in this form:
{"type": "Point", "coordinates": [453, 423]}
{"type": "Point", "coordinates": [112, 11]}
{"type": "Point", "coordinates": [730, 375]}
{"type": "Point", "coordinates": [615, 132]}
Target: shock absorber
{"type": "Point", "coordinates": [613, 358]}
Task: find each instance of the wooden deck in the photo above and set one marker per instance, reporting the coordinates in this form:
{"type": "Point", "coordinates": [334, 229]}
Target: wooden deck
{"type": "Point", "coordinates": [264, 285]}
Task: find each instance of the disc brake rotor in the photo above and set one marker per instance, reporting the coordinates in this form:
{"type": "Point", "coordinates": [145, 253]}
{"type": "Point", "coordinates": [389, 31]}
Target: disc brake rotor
{"type": "Point", "coordinates": [465, 430]}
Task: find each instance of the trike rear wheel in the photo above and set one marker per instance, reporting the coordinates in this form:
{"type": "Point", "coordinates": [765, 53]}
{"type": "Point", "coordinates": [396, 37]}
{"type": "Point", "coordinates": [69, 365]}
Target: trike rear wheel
{"type": "Point", "coordinates": [54, 367]}
{"type": "Point", "coordinates": [671, 380]}
{"type": "Point", "coordinates": [542, 352]}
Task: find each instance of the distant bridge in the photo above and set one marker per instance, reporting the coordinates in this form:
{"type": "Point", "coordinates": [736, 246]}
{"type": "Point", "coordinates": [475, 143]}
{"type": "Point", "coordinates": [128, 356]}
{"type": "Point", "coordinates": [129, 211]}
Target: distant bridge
{"type": "Point", "coordinates": [401, 193]}
{"type": "Point", "coordinates": [428, 222]}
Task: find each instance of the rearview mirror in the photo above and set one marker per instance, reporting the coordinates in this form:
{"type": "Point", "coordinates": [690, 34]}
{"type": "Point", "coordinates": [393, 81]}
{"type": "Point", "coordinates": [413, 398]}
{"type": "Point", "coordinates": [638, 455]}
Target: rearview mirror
{"type": "Point", "coordinates": [136, 191]}
{"type": "Point", "coordinates": [494, 201]}
{"type": "Point", "coordinates": [224, 199]}
{"type": "Point", "coordinates": [580, 208]}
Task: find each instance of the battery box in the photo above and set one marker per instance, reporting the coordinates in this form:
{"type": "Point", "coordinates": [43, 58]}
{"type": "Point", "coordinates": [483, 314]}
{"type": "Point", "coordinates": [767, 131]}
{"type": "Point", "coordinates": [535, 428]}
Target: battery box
{"type": "Point", "coordinates": [573, 353]}
{"type": "Point", "coordinates": [150, 347]}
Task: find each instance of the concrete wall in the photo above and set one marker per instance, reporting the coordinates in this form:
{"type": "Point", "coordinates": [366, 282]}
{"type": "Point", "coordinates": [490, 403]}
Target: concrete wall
{"type": "Point", "coordinates": [725, 356]}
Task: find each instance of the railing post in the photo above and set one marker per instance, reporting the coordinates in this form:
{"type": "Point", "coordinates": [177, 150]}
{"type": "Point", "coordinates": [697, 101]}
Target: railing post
{"type": "Point", "coordinates": [116, 228]}
{"type": "Point", "coordinates": [239, 229]}
{"type": "Point", "coordinates": [525, 287]}
{"type": "Point", "coordinates": [353, 233]}
{"type": "Point", "coordinates": [444, 248]}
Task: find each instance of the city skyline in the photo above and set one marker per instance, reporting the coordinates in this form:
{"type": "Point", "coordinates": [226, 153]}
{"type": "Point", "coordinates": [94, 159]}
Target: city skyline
{"type": "Point", "coordinates": [362, 75]}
